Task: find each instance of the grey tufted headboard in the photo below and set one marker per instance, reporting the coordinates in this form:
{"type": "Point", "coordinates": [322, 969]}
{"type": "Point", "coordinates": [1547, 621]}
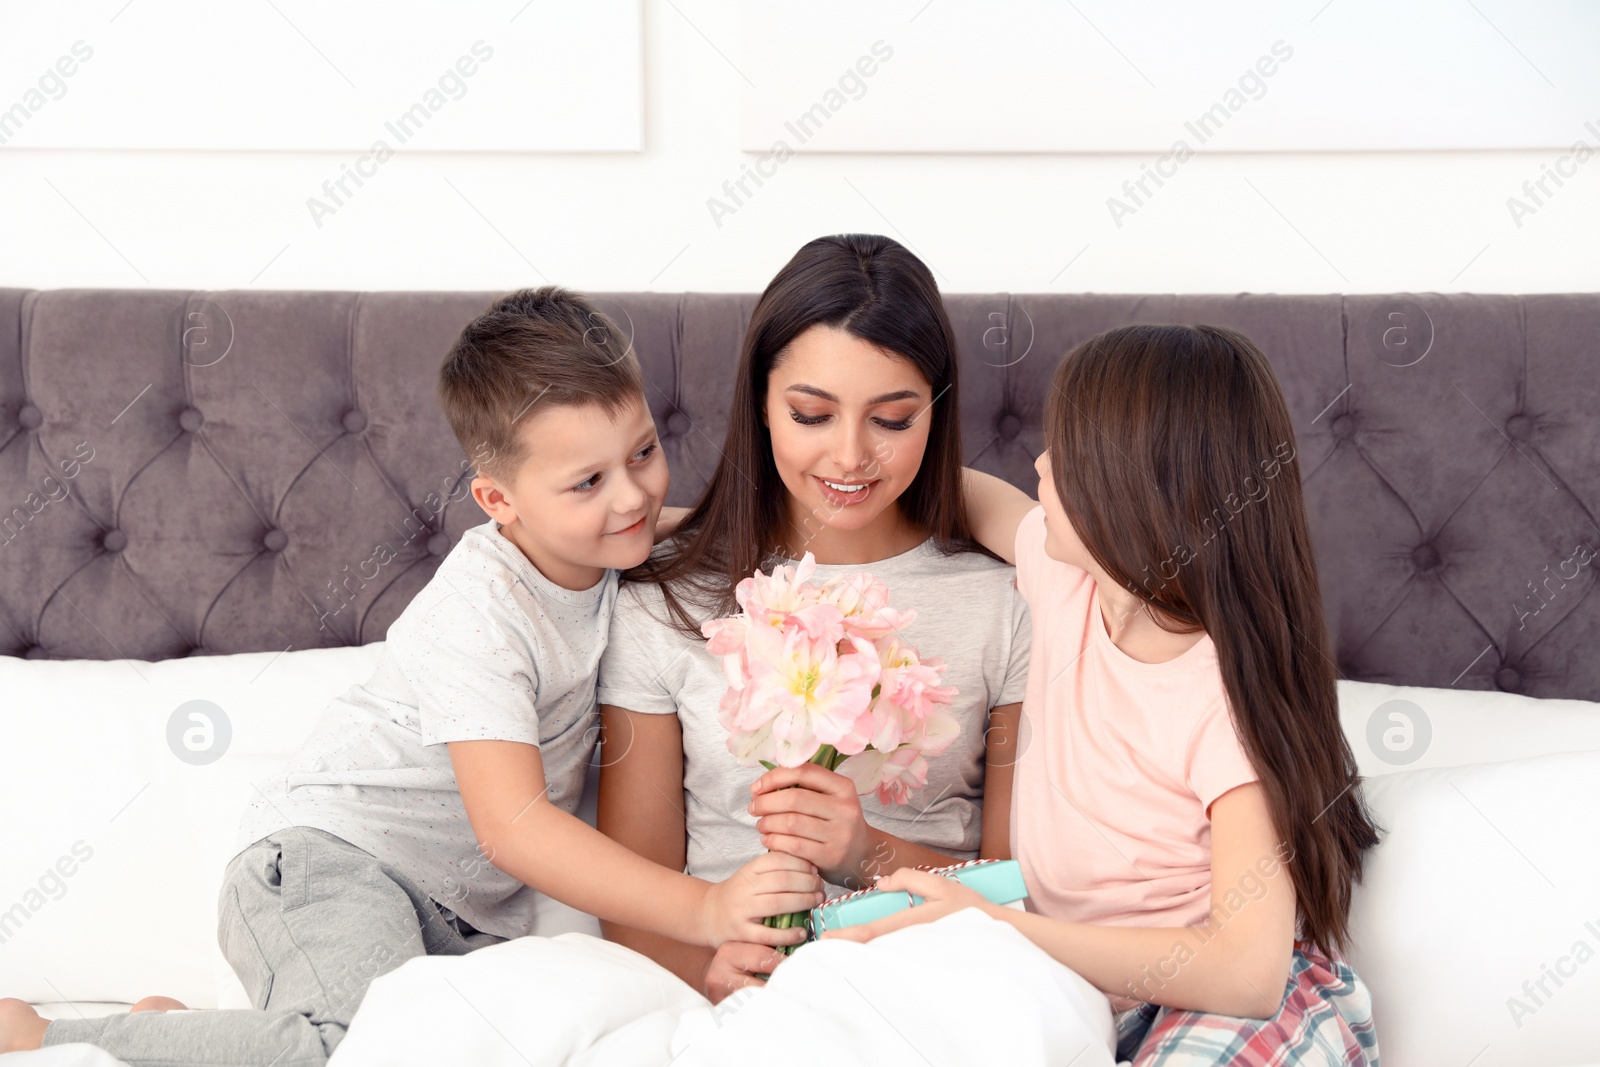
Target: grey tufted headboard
{"type": "Point", "coordinates": [190, 473]}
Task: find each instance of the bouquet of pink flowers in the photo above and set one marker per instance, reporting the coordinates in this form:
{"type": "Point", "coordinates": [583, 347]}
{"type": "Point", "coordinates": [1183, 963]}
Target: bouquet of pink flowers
{"type": "Point", "coordinates": [817, 674]}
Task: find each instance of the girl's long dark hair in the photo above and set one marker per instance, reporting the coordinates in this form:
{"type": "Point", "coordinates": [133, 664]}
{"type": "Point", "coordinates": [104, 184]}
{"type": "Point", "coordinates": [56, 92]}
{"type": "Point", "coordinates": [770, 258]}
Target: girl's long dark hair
{"type": "Point", "coordinates": [873, 288]}
{"type": "Point", "coordinates": [1173, 454]}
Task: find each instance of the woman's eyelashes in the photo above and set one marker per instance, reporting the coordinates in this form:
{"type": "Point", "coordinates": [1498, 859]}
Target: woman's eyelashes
{"type": "Point", "coordinates": [816, 420]}
{"type": "Point", "coordinates": [641, 456]}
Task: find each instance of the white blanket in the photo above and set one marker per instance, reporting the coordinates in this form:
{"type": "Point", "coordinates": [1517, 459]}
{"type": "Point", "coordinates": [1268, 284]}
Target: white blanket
{"type": "Point", "coordinates": [966, 989]}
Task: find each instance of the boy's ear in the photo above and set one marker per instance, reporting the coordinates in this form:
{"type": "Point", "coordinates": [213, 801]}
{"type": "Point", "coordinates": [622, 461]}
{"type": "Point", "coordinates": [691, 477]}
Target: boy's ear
{"type": "Point", "coordinates": [493, 500]}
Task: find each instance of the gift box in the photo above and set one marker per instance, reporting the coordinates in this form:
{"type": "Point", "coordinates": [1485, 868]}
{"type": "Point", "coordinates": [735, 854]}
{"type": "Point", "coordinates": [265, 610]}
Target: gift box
{"type": "Point", "coordinates": [1000, 882]}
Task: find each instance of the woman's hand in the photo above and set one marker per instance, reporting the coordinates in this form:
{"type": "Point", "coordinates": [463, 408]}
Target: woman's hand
{"type": "Point", "coordinates": [815, 814]}
{"type": "Point", "coordinates": [736, 965]}
{"type": "Point", "coordinates": [943, 896]}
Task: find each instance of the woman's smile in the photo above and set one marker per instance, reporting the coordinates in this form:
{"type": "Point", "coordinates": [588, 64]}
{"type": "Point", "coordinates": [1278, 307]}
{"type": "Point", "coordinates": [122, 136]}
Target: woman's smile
{"type": "Point", "coordinates": [844, 493]}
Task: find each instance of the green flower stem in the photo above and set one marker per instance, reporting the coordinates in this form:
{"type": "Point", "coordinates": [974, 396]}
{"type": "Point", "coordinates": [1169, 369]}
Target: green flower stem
{"type": "Point", "coordinates": [829, 757]}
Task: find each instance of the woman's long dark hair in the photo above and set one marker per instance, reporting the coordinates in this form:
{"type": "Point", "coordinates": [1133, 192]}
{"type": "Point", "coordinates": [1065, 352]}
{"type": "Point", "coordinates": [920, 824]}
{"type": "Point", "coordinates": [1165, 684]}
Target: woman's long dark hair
{"type": "Point", "coordinates": [1173, 454]}
{"type": "Point", "coordinates": [873, 288]}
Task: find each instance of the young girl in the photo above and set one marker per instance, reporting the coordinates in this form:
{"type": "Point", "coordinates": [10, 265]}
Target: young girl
{"type": "Point", "coordinates": [843, 440]}
{"type": "Point", "coordinates": [1185, 809]}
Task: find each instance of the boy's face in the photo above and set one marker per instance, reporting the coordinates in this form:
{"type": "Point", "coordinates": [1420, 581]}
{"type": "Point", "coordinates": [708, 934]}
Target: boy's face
{"type": "Point", "coordinates": [588, 494]}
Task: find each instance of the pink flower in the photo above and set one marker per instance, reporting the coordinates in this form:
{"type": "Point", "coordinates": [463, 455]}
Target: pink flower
{"type": "Point", "coordinates": [752, 746]}
{"type": "Point", "coordinates": [863, 602]}
{"type": "Point", "coordinates": [894, 776]}
{"type": "Point", "coordinates": [904, 772]}
{"type": "Point", "coordinates": [817, 674]}
{"type": "Point", "coordinates": [908, 692]}
{"type": "Point", "coordinates": [815, 693]}
{"type": "Point", "coordinates": [910, 682]}
{"type": "Point", "coordinates": [726, 638]}
{"type": "Point", "coordinates": [735, 711]}
{"type": "Point", "coordinates": [935, 733]}
{"type": "Point", "coordinates": [895, 773]}
{"type": "Point", "coordinates": [787, 595]}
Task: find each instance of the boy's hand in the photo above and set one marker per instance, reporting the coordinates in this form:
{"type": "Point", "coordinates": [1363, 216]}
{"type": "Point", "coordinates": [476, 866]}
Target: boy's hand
{"type": "Point", "coordinates": [942, 896]}
{"type": "Point", "coordinates": [738, 964]}
{"type": "Point", "coordinates": [668, 522]}
{"type": "Point", "coordinates": [819, 821]}
{"type": "Point", "coordinates": [771, 884]}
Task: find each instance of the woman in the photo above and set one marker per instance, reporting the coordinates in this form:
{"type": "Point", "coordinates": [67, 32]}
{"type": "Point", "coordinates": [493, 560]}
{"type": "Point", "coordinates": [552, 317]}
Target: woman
{"type": "Point", "coordinates": [844, 442]}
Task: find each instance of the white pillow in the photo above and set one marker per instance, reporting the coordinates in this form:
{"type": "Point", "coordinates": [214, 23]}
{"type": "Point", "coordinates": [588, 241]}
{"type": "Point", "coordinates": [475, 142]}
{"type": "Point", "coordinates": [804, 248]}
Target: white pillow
{"type": "Point", "coordinates": [1393, 727]}
{"type": "Point", "coordinates": [1487, 878]}
{"type": "Point", "coordinates": [86, 761]}
{"type": "Point", "coordinates": [114, 846]}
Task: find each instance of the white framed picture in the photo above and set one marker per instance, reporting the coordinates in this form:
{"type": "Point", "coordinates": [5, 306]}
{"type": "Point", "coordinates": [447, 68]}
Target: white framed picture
{"type": "Point", "coordinates": [467, 76]}
{"type": "Point", "coordinates": [1109, 76]}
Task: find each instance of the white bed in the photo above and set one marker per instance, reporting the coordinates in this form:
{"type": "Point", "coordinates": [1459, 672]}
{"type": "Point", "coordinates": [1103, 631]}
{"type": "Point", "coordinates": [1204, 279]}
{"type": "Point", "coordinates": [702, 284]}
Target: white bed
{"type": "Point", "coordinates": [1484, 879]}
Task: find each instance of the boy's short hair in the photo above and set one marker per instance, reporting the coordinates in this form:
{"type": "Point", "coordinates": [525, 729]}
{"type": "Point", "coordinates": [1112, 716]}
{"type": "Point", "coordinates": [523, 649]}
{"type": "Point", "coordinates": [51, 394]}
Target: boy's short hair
{"type": "Point", "coordinates": [535, 346]}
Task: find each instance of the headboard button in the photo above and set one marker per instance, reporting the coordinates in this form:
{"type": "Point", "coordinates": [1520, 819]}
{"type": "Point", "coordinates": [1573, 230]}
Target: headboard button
{"type": "Point", "coordinates": [1008, 426]}
{"type": "Point", "coordinates": [1508, 679]}
{"type": "Point", "coordinates": [30, 417]}
{"type": "Point", "coordinates": [36, 652]}
{"type": "Point", "coordinates": [355, 420]}
{"type": "Point", "coordinates": [678, 424]}
{"type": "Point", "coordinates": [1425, 558]}
{"type": "Point", "coordinates": [439, 544]}
{"type": "Point", "coordinates": [274, 540]}
{"type": "Point", "coordinates": [1519, 427]}
{"type": "Point", "coordinates": [190, 420]}
{"type": "Point", "coordinates": [1344, 427]}
{"type": "Point", "coordinates": [114, 541]}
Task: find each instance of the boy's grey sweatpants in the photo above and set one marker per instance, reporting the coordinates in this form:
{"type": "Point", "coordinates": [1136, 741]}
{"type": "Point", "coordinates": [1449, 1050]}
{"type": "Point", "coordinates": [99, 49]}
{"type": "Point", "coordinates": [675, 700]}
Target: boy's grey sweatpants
{"type": "Point", "coordinates": [306, 920]}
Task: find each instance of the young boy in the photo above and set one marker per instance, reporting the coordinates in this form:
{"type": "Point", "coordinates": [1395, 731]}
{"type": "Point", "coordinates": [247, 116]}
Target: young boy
{"type": "Point", "coordinates": [436, 798]}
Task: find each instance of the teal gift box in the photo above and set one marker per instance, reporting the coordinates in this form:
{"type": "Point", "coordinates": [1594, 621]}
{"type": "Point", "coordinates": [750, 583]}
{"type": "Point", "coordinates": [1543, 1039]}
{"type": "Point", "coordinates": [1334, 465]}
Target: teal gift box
{"type": "Point", "coordinates": [1000, 882]}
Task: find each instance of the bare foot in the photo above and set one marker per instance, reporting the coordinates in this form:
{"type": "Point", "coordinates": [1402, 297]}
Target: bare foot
{"type": "Point", "coordinates": [159, 1004]}
{"type": "Point", "coordinates": [21, 1028]}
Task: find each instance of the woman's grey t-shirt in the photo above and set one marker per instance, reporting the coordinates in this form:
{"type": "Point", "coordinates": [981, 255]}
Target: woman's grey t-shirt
{"type": "Point", "coordinates": [969, 614]}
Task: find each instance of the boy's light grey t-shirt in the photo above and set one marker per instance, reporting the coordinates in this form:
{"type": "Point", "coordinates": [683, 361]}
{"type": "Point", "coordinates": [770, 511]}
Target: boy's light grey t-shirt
{"type": "Point", "coordinates": [969, 614]}
{"type": "Point", "coordinates": [489, 650]}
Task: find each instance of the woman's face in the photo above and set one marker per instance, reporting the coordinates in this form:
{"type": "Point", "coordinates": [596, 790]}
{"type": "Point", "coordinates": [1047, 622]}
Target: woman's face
{"type": "Point", "coordinates": [849, 425]}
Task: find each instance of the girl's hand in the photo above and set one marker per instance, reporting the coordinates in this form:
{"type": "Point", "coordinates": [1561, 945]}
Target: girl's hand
{"type": "Point", "coordinates": [995, 508]}
{"type": "Point", "coordinates": [774, 883]}
{"type": "Point", "coordinates": [736, 965]}
{"type": "Point", "coordinates": [943, 896]}
{"type": "Point", "coordinates": [819, 820]}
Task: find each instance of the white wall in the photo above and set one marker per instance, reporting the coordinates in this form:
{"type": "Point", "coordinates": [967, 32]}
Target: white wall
{"type": "Point", "coordinates": [1311, 222]}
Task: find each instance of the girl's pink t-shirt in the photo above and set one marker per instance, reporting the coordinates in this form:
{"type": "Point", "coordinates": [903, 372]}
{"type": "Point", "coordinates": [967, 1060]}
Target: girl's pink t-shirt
{"type": "Point", "coordinates": [1118, 761]}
